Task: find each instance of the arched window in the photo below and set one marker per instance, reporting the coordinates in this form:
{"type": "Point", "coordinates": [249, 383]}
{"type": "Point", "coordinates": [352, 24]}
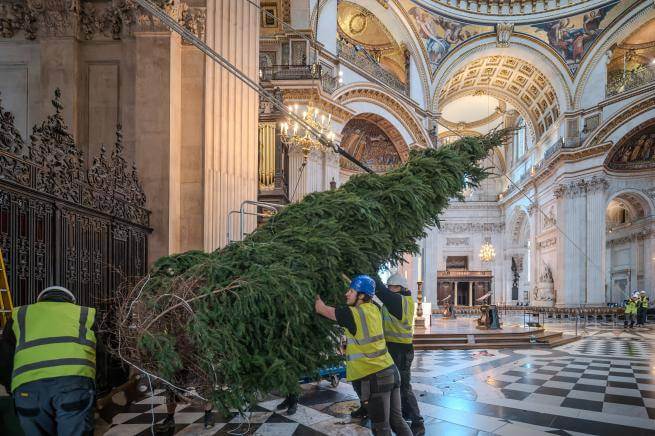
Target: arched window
{"type": "Point", "coordinates": [520, 142]}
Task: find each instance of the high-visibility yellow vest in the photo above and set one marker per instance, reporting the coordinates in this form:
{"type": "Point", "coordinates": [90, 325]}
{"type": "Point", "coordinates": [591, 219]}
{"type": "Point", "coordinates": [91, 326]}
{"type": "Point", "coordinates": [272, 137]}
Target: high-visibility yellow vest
{"type": "Point", "coordinates": [366, 352]}
{"type": "Point", "coordinates": [631, 307]}
{"type": "Point", "coordinates": [53, 339]}
{"type": "Point", "coordinates": [644, 302]}
{"type": "Point", "coordinates": [397, 330]}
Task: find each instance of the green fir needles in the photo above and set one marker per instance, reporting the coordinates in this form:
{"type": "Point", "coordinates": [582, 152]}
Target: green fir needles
{"type": "Point", "coordinates": [239, 322]}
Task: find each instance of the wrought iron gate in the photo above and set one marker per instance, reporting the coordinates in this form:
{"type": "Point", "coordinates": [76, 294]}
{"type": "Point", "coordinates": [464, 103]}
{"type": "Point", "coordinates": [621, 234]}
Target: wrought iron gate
{"type": "Point", "coordinates": [62, 224]}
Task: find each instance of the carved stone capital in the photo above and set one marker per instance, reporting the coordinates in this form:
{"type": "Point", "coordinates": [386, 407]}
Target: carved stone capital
{"type": "Point", "coordinates": [87, 20]}
{"type": "Point", "coordinates": [580, 187]}
{"type": "Point", "coordinates": [472, 227]}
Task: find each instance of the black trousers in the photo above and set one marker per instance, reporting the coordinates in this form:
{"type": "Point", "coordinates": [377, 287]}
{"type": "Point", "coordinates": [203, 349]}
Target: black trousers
{"type": "Point", "coordinates": [379, 393]}
{"type": "Point", "coordinates": [403, 360]}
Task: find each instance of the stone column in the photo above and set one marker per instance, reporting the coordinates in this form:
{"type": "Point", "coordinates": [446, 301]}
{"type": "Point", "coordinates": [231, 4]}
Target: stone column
{"type": "Point", "coordinates": [470, 293]}
{"type": "Point", "coordinates": [231, 115]}
{"type": "Point", "coordinates": [571, 211]}
{"type": "Point", "coordinates": [157, 134]}
{"type": "Point", "coordinates": [595, 243]}
{"type": "Point", "coordinates": [649, 266]}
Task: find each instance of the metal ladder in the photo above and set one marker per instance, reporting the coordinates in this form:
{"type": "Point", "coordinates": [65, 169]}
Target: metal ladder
{"type": "Point", "coordinates": [6, 305]}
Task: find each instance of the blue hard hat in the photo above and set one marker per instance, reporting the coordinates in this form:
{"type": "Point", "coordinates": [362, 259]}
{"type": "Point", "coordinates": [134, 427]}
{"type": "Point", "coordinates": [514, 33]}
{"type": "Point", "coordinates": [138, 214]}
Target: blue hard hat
{"type": "Point", "coordinates": [363, 284]}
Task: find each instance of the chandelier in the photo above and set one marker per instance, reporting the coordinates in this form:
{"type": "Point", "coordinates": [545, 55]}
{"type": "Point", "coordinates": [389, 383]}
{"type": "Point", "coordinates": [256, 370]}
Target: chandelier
{"type": "Point", "coordinates": [487, 251]}
{"type": "Point", "coordinates": [307, 139]}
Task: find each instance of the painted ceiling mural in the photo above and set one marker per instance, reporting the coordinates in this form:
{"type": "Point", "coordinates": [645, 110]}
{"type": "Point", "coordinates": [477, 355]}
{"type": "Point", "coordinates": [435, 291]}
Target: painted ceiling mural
{"type": "Point", "coordinates": [440, 35]}
{"type": "Point", "coordinates": [571, 37]}
{"type": "Point", "coordinates": [636, 152]}
{"type": "Point", "coordinates": [368, 143]}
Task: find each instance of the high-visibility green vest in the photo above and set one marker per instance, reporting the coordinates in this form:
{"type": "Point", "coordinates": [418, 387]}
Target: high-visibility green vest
{"type": "Point", "coordinates": [397, 330]}
{"type": "Point", "coordinates": [644, 302]}
{"type": "Point", "coordinates": [366, 352]}
{"type": "Point", "coordinates": [630, 307]}
{"type": "Point", "coordinates": [53, 339]}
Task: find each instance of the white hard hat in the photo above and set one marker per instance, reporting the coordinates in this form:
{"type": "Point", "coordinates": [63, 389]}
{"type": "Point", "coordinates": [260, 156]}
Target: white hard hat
{"type": "Point", "coordinates": [61, 289]}
{"type": "Point", "coordinates": [397, 280]}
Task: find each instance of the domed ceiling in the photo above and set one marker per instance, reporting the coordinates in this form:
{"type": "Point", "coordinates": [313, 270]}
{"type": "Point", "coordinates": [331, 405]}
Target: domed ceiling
{"type": "Point", "coordinates": [360, 27]}
{"type": "Point", "coordinates": [509, 79]}
{"type": "Point", "coordinates": [568, 27]}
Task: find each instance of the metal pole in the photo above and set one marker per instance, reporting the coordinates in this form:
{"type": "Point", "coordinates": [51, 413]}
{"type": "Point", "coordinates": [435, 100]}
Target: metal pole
{"type": "Point", "coordinates": [169, 22]}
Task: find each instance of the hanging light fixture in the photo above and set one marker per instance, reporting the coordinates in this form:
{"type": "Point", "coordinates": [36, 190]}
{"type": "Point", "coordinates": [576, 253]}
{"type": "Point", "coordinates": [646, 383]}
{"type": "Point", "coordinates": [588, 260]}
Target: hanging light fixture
{"type": "Point", "coordinates": [294, 134]}
{"type": "Point", "coordinates": [487, 251]}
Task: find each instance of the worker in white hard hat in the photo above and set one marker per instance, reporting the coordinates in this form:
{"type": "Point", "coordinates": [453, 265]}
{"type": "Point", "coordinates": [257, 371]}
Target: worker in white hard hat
{"type": "Point", "coordinates": [398, 323]}
{"type": "Point", "coordinates": [52, 347]}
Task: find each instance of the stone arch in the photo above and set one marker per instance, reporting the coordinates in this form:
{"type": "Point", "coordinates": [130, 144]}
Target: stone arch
{"type": "Point", "coordinates": [538, 54]}
{"type": "Point", "coordinates": [634, 17]}
{"type": "Point", "coordinates": [366, 92]}
{"type": "Point", "coordinates": [519, 226]}
{"type": "Point", "coordinates": [636, 201]}
{"type": "Point", "coordinates": [395, 19]}
{"type": "Point", "coordinates": [374, 140]}
{"type": "Point", "coordinates": [635, 151]}
{"type": "Point", "coordinates": [631, 116]}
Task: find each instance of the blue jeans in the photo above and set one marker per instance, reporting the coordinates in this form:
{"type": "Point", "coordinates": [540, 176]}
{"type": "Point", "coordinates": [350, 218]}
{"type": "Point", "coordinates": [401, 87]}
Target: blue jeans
{"type": "Point", "coordinates": [60, 406]}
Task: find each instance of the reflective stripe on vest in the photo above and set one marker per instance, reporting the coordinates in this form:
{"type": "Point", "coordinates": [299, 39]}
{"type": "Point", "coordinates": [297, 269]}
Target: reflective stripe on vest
{"type": "Point", "coordinates": [54, 339]}
{"type": "Point", "coordinates": [400, 330]}
{"type": "Point", "coordinates": [366, 351]}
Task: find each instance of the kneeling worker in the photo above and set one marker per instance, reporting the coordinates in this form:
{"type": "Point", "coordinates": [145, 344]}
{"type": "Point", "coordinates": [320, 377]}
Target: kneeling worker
{"type": "Point", "coordinates": [54, 364]}
{"type": "Point", "coordinates": [398, 322]}
{"type": "Point", "coordinates": [368, 362]}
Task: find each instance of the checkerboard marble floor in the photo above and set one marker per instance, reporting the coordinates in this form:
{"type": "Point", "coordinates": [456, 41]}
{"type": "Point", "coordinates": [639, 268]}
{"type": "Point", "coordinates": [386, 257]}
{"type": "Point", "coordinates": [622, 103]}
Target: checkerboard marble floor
{"type": "Point", "coordinates": [603, 384]}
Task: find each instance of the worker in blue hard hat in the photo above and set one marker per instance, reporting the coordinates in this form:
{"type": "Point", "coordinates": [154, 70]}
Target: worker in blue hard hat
{"type": "Point", "coordinates": [368, 364]}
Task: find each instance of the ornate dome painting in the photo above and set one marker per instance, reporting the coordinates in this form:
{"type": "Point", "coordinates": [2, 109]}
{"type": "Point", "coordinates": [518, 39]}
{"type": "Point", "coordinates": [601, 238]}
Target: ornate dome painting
{"type": "Point", "coordinates": [572, 36]}
{"type": "Point", "coordinates": [636, 151]}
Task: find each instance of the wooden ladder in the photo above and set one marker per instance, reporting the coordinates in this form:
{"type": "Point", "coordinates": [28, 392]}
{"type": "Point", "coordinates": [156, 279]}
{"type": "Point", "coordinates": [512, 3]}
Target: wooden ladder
{"type": "Point", "coordinates": [6, 305]}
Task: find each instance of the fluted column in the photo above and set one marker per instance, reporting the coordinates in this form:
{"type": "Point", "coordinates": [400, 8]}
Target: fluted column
{"type": "Point", "coordinates": [595, 227]}
{"type": "Point", "coordinates": [230, 117]}
{"type": "Point", "coordinates": [571, 211]}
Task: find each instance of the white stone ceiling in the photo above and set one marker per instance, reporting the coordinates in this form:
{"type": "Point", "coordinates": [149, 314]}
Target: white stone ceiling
{"type": "Point", "coordinates": [509, 79]}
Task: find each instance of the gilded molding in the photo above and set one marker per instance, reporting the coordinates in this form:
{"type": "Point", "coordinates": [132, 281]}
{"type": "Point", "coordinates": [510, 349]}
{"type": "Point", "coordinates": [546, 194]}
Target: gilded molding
{"type": "Point", "coordinates": [391, 104]}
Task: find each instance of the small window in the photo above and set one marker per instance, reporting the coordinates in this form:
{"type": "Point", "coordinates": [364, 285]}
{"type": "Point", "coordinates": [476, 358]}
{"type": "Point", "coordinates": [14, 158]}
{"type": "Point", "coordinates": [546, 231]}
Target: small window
{"type": "Point", "coordinates": [520, 143]}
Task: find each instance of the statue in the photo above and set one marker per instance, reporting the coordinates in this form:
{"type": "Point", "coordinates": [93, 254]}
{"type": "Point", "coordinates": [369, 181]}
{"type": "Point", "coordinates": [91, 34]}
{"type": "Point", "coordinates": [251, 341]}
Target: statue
{"type": "Point", "coordinates": [544, 292]}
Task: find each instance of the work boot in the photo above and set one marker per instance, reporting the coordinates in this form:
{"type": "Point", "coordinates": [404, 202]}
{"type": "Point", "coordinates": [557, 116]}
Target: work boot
{"type": "Point", "coordinates": [293, 407]}
{"type": "Point", "coordinates": [417, 427]}
{"type": "Point", "coordinates": [166, 426]}
{"type": "Point", "coordinates": [284, 404]}
{"type": "Point", "coordinates": [360, 413]}
{"type": "Point", "coordinates": [209, 420]}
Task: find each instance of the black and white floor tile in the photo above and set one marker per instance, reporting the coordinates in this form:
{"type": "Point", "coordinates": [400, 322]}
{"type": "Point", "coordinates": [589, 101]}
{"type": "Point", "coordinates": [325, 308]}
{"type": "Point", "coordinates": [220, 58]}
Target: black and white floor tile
{"type": "Point", "coordinates": [603, 384]}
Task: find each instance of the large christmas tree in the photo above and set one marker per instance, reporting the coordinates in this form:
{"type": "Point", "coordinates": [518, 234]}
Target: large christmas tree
{"type": "Point", "coordinates": [240, 322]}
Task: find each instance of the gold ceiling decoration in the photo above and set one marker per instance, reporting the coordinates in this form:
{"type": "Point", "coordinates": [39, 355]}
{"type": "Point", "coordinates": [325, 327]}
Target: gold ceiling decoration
{"type": "Point", "coordinates": [361, 27]}
{"type": "Point", "coordinates": [509, 7]}
{"type": "Point", "coordinates": [517, 80]}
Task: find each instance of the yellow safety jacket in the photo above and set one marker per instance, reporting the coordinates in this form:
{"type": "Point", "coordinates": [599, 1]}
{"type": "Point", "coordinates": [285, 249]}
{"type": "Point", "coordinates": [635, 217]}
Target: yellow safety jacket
{"type": "Point", "coordinates": [644, 302]}
{"type": "Point", "coordinates": [366, 352]}
{"type": "Point", "coordinates": [631, 307]}
{"type": "Point", "coordinates": [397, 330]}
{"type": "Point", "coordinates": [53, 339]}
